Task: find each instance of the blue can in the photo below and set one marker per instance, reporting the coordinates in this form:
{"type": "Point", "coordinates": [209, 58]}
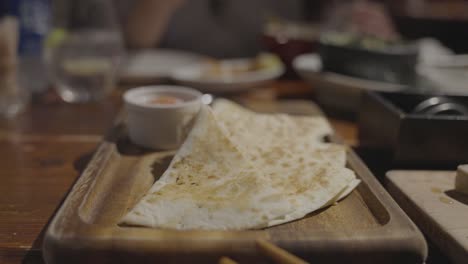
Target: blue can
{"type": "Point", "coordinates": [34, 21]}
{"type": "Point", "coordinates": [34, 17]}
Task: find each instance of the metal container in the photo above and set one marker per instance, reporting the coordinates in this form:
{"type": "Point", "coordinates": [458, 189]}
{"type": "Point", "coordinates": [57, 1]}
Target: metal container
{"type": "Point", "coordinates": [396, 65]}
{"type": "Point", "coordinates": [394, 122]}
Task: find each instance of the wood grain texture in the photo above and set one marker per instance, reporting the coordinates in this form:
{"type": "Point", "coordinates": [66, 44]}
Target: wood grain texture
{"type": "Point", "coordinates": [35, 175]}
{"type": "Point", "coordinates": [366, 227]}
{"type": "Point", "coordinates": [277, 254]}
{"type": "Point", "coordinates": [430, 199]}
{"type": "Point", "coordinates": [50, 116]}
{"type": "Point", "coordinates": [43, 150]}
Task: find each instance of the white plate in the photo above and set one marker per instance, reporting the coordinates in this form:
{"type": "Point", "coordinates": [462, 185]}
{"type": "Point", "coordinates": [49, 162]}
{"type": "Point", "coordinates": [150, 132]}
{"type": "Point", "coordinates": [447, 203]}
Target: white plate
{"type": "Point", "coordinates": [337, 90]}
{"type": "Point", "coordinates": [156, 63]}
{"type": "Point", "coordinates": [192, 76]}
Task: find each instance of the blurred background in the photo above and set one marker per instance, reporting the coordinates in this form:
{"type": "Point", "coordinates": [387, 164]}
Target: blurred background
{"type": "Point", "coordinates": [84, 48]}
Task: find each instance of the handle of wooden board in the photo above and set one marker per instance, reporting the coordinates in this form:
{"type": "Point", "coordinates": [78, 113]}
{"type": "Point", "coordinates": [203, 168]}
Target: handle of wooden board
{"type": "Point", "coordinates": [226, 260]}
{"type": "Point", "coordinates": [278, 255]}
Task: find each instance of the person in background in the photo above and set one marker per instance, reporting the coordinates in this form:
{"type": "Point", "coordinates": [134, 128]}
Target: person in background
{"type": "Point", "coordinates": [361, 17]}
{"type": "Point", "coordinates": [218, 28]}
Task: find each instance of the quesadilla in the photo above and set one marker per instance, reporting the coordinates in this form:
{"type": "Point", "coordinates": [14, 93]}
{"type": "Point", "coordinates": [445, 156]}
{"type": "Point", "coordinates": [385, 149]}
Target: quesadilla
{"type": "Point", "coordinates": [268, 138]}
{"type": "Point", "coordinates": [222, 179]}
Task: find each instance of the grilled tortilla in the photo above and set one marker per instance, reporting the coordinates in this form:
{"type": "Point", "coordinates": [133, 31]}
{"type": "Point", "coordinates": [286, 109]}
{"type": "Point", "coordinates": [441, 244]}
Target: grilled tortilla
{"type": "Point", "coordinates": [220, 181]}
{"type": "Point", "coordinates": [278, 142]}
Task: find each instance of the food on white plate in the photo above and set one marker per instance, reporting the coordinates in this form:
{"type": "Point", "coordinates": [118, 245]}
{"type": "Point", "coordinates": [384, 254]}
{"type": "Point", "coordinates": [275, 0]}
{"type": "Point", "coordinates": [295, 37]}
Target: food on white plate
{"type": "Point", "coordinates": [225, 69]}
{"type": "Point", "coordinates": [230, 75]}
{"type": "Point", "coordinates": [228, 176]}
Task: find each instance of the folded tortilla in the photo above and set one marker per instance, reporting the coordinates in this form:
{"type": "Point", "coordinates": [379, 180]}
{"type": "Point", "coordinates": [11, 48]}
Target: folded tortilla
{"type": "Point", "coordinates": [279, 139]}
{"type": "Point", "coordinates": [223, 179]}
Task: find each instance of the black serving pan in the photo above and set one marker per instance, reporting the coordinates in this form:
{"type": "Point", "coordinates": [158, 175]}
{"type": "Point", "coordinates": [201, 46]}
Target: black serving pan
{"type": "Point", "coordinates": [394, 122]}
{"type": "Point", "coordinates": [447, 30]}
{"type": "Point", "coordinates": [395, 65]}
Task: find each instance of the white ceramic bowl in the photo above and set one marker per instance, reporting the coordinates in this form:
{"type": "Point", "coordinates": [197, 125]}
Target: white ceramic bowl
{"type": "Point", "coordinates": [160, 126]}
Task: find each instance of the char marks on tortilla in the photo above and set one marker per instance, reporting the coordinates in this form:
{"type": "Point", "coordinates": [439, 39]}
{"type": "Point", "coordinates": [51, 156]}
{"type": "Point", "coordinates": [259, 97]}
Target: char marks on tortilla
{"type": "Point", "coordinates": [241, 170]}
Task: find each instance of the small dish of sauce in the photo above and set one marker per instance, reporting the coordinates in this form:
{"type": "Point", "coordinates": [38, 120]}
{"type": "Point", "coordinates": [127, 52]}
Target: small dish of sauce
{"type": "Point", "coordinates": [164, 100]}
{"type": "Point", "coordinates": [160, 116]}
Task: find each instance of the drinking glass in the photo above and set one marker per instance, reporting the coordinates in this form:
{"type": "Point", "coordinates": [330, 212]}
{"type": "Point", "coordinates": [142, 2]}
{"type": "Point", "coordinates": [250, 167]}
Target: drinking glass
{"type": "Point", "coordinates": [13, 98]}
{"type": "Point", "coordinates": [84, 50]}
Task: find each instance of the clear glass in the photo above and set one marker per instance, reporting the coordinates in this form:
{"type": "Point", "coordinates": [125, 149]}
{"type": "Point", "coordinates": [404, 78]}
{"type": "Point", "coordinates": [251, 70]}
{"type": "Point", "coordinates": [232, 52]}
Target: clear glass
{"type": "Point", "coordinates": [84, 51]}
{"type": "Point", "coordinates": [13, 99]}
{"type": "Point", "coordinates": [84, 66]}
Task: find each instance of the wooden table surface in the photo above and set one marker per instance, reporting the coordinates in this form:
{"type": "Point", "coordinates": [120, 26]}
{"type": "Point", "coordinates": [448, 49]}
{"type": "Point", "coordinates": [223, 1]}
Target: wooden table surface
{"type": "Point", "coordinates": [44, 149]}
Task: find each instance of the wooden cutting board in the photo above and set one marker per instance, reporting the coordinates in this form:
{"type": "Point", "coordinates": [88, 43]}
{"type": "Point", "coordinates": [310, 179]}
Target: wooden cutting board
{"type": "Point", "coordinates": [365, 227]}
{"type": "Point", "coordinates": [430, 200]}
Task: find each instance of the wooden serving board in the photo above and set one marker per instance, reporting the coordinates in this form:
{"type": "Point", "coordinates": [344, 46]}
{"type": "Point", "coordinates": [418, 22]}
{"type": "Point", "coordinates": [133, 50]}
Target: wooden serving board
{"type": "Point", "coordinates": [441, 212]}
{"type": "Point", "coordinates": [366, 227]}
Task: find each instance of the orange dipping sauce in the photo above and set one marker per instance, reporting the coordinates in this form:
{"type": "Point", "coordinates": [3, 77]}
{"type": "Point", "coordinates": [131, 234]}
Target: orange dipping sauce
{"type": "Point", "coordinates": [165, 100]}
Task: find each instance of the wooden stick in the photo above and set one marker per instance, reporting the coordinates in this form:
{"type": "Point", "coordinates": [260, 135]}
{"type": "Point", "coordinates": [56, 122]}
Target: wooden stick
{"type": "Point", "coordinates": [226, 260]}
{"type": "Point", "coordinates": [277, 254]}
